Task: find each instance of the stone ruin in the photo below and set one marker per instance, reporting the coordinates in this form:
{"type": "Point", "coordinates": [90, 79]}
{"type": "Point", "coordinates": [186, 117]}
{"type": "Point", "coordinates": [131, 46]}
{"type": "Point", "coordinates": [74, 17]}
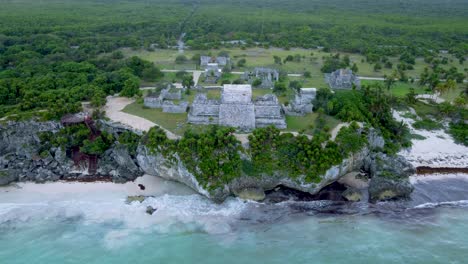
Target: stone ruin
{"type": "Point", "coordinates": [236, 109]}
{"type": "Point", "coordinates": [204, 111]}
{"type": "Point", "coordinates": [302, 103]}
{"type": "Point", "coordinates": [220, 61]}
{"type": "Point", "coordinates": [269, 112]}
{"type": "Point", "coordinates": [165, 100]}
{"type": "Point", "coordinates": [212, 73]}
{"type": "Point", "coordinates": [342, 79]}
{"type": "Point", "coordinates": [266, 75]}
{"type": "Point", "coordinates": [176, 108]}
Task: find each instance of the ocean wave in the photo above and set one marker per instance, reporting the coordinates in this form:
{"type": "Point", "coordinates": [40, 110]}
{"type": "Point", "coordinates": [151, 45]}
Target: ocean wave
{"type": "Point", "coordinates": [461, 203]}
{"type": "Point", "coordinates": [172, 212]}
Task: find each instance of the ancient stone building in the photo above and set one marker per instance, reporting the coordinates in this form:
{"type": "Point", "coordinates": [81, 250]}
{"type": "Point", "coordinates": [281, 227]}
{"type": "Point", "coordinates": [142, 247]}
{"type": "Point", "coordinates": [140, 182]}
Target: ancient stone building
{"type": "Point", "coordinates": [176, 108]}
{"type": "Point", "coordinates": [266, 75]}
{"type": "Point", "coordinates": [236, 109]}
{"type": "Point", "coordinates": [302, 103]}
{"type": "Point", "coordinates": [204, 111]}
{"type": "Point", "coordinates": [212, 73]}
{"type": "Point", "coordinates": [165, 100]}
{"type": "Point", "coordinates": [268, 112]}
{"type": "Point", "coordinates": [221, 61]}
{"type": "Point", "coordinates": [342, 79]}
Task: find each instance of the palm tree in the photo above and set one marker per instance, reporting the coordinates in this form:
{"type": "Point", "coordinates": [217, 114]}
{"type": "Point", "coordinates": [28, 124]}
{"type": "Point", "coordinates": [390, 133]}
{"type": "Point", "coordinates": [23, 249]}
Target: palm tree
{"type": "Point", "coordinates": [390, 80]}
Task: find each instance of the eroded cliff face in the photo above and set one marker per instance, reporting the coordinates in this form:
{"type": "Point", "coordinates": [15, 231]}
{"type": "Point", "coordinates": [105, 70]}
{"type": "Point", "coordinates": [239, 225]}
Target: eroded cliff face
{"type": "Point", "coordinates": [254, 187]}
{"type": "Point", "coordinates": [23, 158]}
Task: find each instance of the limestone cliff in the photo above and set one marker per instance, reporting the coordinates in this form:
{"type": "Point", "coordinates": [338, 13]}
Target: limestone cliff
{"type": "Point", "coordinates": [24, 158]}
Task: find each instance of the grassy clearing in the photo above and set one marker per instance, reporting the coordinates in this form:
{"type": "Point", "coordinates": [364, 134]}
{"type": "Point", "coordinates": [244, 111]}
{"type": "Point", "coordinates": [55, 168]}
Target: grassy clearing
{"type": "Point", "coordinates": [311, 60]}
{"type": "Point", "coordinates": [426, 110]}
{"type": "Point", "coordinates": [307, 123]}
{"type": "Point", "coordinates": [399, 89]}
{"type": "Point", "coordinates": [175, 123]}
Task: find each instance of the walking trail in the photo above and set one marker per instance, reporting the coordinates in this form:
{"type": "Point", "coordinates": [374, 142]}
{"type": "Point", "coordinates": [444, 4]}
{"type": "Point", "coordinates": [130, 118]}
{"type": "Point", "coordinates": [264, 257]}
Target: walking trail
{"type": "Point", "coordinates": [114, 107]}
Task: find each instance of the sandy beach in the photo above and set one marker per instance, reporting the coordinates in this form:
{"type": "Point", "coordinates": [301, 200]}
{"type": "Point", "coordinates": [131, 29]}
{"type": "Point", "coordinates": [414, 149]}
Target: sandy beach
{"type": "Point", "coordinates": [438, 149]}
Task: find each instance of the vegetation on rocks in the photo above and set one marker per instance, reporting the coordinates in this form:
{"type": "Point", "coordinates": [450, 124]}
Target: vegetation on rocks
{"type": "Point", "coordinates": [370, 105]}
{"type": "Point", "coordinates": [77, 136]}
{"type": "Point", "coordinates": [459, 132]}
{"type": "Point", "coordinates": [212, 156]}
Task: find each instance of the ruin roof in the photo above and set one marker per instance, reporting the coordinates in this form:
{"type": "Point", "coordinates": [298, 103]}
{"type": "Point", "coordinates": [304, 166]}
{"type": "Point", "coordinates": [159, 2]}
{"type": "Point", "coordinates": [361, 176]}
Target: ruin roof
{"type": "Point", "coordinates": [308, 90]}
{"type": "Point", "coordinates": [237, 93]}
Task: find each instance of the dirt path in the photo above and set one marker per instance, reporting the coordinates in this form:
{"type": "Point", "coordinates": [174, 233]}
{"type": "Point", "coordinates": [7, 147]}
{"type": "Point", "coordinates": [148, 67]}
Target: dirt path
{"type": "Point", "coordinates": [114, 107]}
{"type": "Point", "coordinates": [335, 131]}
{"type": "Point", "coordinates": [196, 77]}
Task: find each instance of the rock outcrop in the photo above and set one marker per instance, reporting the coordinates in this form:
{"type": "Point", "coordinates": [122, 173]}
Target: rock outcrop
{"type": "Point", "coordinates": [389, 177]}
{"type": "Point", "coordinates": [23, 157]}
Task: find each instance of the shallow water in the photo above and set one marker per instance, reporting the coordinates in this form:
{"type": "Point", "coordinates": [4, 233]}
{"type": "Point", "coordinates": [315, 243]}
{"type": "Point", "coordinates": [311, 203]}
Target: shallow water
{"type": "Point", "coordinates": [187, 228]}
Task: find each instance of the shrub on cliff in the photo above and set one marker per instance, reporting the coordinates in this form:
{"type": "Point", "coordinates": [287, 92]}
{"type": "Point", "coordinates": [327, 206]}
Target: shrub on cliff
{"type": "Point", "coordinates": [274, 152]}
{"type": "Point", "coordinates": [213, 156]}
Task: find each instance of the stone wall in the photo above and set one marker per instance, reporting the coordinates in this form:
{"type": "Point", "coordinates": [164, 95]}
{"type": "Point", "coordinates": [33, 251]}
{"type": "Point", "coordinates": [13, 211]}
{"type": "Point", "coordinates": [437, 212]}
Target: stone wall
{"type": "Point", "coordinates": [240, 116]}
{"type": "Point", "coordinates": [171, 107]}
{"type": "Point", "coordinates": [204, 111]}
{"type": "Point", "coordinates": [153, 102]}
{"type": "Point", "coordinates": [342, 79]}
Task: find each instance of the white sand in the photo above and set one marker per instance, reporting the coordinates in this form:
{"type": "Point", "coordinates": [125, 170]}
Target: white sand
{"type": "Point", "coordinates": [438, 149]}
{"type": "Point", "coordinates": [27, 192]}
{"type": "Point", "coordinates": [114, 107]}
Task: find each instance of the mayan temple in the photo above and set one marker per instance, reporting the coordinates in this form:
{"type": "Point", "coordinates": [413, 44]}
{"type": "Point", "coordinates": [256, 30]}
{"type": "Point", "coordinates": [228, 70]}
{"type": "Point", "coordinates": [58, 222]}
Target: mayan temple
{"type": "Point", "coordinates": [237, 109]}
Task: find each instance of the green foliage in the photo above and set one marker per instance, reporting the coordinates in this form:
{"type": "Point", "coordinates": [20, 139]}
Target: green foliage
{"type": "Point", "coordinates": [156, 140]}
{"type": "Point", "coordinates": [212, 156]}
{"type": "Point", "coordinates": [427, 124]}
{"type": "Point", "coordinates": [241, 63]}
{"type": "Point", "coordinates": [131, 87]}
{"type": "Point", "coordinates": [349, 140]}
{"type": "Point", "coordinates": [188, 82]}
{"type": "Point", "coordinates": [283, 153]}
{"type": "Point", "coordinates": [257, 83]}
{"type": "Point", "coordinates": [95, 147]}
{"type": "Point", "coordinates": [333, 63]}
{"type": "Point", "coordinates": [77, 136]}
{"type": "Point", "coordinates": [295, 85]}
{"type": "Point", "coordinates": [370, 105]}
{"type": "Point", "coordinates": [131, 140]}
{"type": "Point", "coordinates": [459, 132]}
{"type": "Point", "coordinates": [181, 59]}
{"type": "Point", "coordinates": [279, 88]}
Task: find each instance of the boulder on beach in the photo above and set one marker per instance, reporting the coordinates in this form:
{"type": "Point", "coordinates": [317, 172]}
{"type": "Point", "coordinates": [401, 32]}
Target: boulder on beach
{"type": "Point", "coordinates": [382, 189]}
{"type": "Point", "coordinates": [254, 194]}
{"type": "Point", "coordinates": [150, 210]}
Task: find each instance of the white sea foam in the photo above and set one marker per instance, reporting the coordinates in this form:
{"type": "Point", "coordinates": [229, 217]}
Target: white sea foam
{"type": "Point", "coordinates": [461, 203]}
{"type": "Point", "coordinates": [103, 203]}
{"type": "Point", "coordinates": [415, 179]}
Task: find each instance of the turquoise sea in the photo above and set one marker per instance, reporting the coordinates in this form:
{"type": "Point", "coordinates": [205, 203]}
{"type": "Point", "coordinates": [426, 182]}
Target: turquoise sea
{"type": "Point", "coordinates": [188, 228]}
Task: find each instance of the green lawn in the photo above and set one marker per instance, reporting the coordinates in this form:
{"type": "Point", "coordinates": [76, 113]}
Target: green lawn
{"type": "Point", "coordinates": [311, 60]}
{"type": "Point", "coordinates": [307, 122]}
{"type": "Point", "coordinates": [400, 89]}
{"type": "Point", "coordinates": [176, 123]}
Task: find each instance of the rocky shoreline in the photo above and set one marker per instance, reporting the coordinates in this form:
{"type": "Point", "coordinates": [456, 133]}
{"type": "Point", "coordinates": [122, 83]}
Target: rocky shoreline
{"type": "Point", "coordinates": [371, 175]}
